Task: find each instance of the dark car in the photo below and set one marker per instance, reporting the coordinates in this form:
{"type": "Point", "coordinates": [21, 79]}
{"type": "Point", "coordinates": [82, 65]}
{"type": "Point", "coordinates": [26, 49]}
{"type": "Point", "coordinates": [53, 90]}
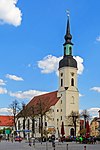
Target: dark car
{"type": "Point", "coordinates": [18, 138]}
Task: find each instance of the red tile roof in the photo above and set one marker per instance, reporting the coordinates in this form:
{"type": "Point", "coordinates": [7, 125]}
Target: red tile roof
{"type": "Point", "coordinates": [49, 99]}
{"type": "Point", "coordinates": [45, 100]}
{"type": "Point", "coordinates": [6, 121]}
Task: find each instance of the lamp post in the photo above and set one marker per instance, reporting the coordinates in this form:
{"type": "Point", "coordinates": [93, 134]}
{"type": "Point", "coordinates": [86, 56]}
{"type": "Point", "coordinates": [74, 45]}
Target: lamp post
{"type": "Point", "coordinates": [46, 135]}
{"type": "Point", "coordinates": [14, 113]}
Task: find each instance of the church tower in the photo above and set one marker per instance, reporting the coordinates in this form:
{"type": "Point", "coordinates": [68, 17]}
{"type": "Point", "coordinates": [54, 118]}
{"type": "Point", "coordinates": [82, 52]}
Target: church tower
{"type": "Point", "coordinates": [68, 90]}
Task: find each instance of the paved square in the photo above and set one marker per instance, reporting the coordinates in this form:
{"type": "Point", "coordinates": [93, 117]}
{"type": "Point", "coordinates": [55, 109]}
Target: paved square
{"type": "Point", "coordinates": [46, 146]}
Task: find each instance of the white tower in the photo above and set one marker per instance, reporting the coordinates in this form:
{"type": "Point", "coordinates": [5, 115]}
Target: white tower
{"type": "Point", "coordinates": [68, 90]}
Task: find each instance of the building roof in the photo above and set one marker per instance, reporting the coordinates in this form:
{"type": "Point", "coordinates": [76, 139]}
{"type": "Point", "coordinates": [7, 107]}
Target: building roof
{"type": "Point", "coordinates": [6, 121]}
{"type": "Point", "coordinates": [40, 103]}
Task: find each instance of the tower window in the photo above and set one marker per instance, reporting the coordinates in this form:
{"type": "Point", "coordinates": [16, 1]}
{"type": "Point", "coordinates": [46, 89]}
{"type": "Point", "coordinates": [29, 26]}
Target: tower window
{"type": "Point", "coordinates": [61, 74]}
{"type": "Point", "coordinates": [61, 82]}
{"type": "Point", "coordinates": [70, 50]}
{"type": "Point", "coordinates": [61, 117]}
{"type": "Point", "coordinates": [72, 82]}
{"type": "Point", "coordinates": [57, 110]}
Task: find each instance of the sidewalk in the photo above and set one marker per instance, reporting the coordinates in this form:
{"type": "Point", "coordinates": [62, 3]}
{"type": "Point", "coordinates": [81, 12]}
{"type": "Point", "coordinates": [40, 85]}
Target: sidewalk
{"type": "Point", "coordinates": [46, 146]}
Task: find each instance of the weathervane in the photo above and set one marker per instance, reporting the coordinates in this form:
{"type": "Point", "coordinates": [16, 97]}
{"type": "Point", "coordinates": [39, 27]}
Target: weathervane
{"type": "Point", "coordinates": [68, 13]}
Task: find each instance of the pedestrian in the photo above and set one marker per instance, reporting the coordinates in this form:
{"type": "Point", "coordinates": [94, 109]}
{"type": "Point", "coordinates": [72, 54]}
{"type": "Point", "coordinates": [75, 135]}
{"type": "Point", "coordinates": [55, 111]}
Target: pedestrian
{"type": "Point", "coordinates": [0, 138]}
{"type": "Point", "coordinates": [53, 140]}
{"type": "Point", "coordinates": [29, 141]}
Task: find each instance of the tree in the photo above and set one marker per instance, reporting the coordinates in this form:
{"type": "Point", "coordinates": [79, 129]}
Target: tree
{"type": "Point", "coordinates": [74, 118]}
{"type": "Point", "coordinates": [41, 110]}
{"type": "Point", "coordinates": [32, 116]}
{"type": "Point", "coordinates": [85, 114]}
{"type": "Point", "coordinates": [15, 109]}
{"type": "Point", "coordinates": [23, 114]}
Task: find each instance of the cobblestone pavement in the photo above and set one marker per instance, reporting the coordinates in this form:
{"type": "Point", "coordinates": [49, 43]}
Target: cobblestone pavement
{"type": "Point", "coordinates": [46, 146]}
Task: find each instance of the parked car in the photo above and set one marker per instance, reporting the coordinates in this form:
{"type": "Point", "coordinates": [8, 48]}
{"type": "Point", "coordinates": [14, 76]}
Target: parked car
{"type": "Point", "coordinates": [18, 138]}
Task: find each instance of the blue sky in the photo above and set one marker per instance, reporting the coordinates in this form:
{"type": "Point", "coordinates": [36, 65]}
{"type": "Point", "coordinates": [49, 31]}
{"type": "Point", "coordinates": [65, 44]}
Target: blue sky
{"type": "Point", "coordinates": [31, 45]}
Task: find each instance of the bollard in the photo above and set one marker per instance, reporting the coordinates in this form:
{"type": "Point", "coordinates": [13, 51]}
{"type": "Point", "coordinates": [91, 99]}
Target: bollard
{"type": "Point", "coordinates": [53, 144]}
{"type": "Point", "coordinates": [67, 146]}
{"type": "Point", "coordinates": [84, 147]}
{"type": "Point", "coordinates": [34, 142]}
{"type": "Point", "coordinates": [46, 146]}
{"type": "Point", "coordinates": [29, 141]}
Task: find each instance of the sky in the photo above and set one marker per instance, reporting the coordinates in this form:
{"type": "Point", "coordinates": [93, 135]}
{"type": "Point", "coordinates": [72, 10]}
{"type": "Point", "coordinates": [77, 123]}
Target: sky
{"type": "Point", "coordinates": [31, 45]}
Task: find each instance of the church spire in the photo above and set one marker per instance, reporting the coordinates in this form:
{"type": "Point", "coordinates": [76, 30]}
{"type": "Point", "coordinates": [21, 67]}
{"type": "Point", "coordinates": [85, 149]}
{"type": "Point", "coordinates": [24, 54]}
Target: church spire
{"type": "Point", "coordinates": [68, 36]}
{"type": "Point", "coordinates": [68, 44]}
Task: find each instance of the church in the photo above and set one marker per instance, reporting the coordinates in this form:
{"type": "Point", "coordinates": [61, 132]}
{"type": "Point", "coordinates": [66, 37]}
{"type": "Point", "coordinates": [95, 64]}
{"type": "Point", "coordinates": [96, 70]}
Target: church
{"type": "Point", "coordinates": [48, 113]}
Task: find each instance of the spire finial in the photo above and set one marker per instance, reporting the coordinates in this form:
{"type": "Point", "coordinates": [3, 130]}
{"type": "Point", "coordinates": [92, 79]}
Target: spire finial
{"type": "Point", "coordinates": [68, 36]}
{"type": "Point", "coordinates": [68, 13]}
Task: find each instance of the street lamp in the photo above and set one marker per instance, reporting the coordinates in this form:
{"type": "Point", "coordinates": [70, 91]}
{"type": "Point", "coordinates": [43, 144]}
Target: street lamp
{"type": "Point", "coordinates": [14, 113]}
{"type": "Point", "coordinates": [46, 135]}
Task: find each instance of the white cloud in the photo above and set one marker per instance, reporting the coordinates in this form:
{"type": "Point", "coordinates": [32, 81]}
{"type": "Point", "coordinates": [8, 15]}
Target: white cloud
{"type": "Point", "coordinates": [94, 112]}
{"type": "Point", "coordinates": [10, 13]}
{"type": "Point", "coordinates": [2, 82]}
{"type": "Point", "coordinates": [26, 94]}
{"type": "Point", "coordinates": [5, 111]}
{"type": "Point", "coordinates": [3, 90]}
{"type": "Point", "coordinates": [98, 39]}
{"type": "Point", "coordinates": [97, 89]}
{"type": "Point", "coordinates": [80, 95]}
{"type": "Point", "coordinates": [50, 64]}
{"type": "Point", "coordinates": [14, 77]}
{"type": "Point", "coordinates": [79, 64]}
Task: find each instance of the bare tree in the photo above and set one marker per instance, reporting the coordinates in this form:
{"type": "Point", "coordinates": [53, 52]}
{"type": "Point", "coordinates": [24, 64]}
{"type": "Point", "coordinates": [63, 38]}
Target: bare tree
{"type": "Point", "coordinates": [32, 116]}
{"type": "Point", "coordinates": [23, 114]}
{"type": "Point", "coordinates": [74, 119]}
{"type": "Point", "coordinates": [85, 114]}
{"type": "Point", "coordinates": [15, 109]}
{"type": "Point", "coordinates": [42, 109]}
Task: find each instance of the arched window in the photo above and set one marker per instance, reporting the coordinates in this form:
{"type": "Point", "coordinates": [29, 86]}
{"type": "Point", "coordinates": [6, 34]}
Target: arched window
{"type": "Point", "coordinates": [18, 124]}
{"type": "Point", "coordinates": [72, 132]}
{"type": "Point", "coordinates": [61, 82]}
{"type": "Point", "coordinates": [28, 124]}
{"type": "Point", "coordinates": [72, 82]}
{"type": "Point", "coordinates": [70, 50]}
{"type": "Point", "coordinates": [61, 74]}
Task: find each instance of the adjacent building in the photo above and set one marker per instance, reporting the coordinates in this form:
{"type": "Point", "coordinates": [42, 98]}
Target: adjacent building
{"type": "Point", "coordinates": [6, 122]}
{"type": "Point", "coordinates": [94, 125]}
